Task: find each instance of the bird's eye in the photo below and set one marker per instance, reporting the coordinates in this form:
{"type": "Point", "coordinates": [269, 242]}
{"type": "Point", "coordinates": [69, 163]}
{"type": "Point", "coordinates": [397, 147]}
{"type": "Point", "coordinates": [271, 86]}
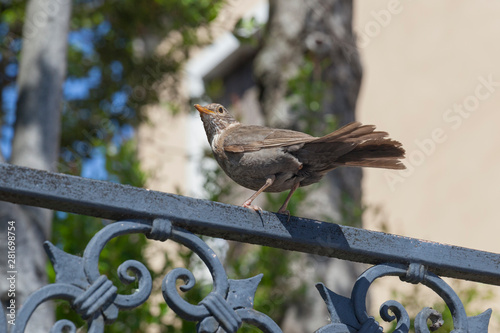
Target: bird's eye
{"type": "Point", "coordinates": [220, 109]}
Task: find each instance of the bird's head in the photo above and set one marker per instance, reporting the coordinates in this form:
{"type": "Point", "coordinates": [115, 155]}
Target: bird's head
{"type": "Point", "coordinates": [215, 118]}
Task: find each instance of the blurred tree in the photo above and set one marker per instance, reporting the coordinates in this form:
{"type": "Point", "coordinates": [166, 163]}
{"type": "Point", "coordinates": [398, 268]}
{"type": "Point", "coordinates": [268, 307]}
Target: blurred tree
{"type": "Point", "coordinates": [309, 75]}
{"type": "Point", "coordinates": [42, 71]}
{"type": "Point", "coordinates": [121, 55]}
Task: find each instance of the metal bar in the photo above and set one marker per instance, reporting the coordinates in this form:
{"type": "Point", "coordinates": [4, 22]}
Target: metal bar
{"type": "Point", "coordinates": [114, 201]}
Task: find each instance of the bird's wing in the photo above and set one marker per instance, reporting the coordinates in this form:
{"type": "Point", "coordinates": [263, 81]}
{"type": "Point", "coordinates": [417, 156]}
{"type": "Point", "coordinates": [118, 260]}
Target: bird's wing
{"type": "Point", "coordinates": [253, 138]}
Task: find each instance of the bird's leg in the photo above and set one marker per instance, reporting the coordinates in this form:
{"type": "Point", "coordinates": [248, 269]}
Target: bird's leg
{"type": "Point", "coordinates": [283, 210]}
{"type": "Point", "coordinates": [248, 202]}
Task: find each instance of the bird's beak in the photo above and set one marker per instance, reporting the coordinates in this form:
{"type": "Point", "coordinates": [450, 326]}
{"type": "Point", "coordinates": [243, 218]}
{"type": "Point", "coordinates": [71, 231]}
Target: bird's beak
{"type": "Point", "coordinates": [202, 109]}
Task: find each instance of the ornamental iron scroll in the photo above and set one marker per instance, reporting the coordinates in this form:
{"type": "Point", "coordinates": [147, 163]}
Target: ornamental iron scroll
{"type": "Point", "coordinates": [95, 298]}
{"type": "Point", "coordinates": [349, 315]}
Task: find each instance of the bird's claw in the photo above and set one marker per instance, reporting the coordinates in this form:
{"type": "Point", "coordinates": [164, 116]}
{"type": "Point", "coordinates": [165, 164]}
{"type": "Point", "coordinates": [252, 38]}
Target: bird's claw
{"type": "Point", "coordinates": [285, 212]}
{"type": "Point", "coordinates": [254, 207]}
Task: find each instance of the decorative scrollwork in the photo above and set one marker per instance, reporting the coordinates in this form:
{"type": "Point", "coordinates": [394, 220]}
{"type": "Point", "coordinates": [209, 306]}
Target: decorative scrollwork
{"type": "Point", "coordinates": [91, 294]}
{"type": "Point", "coordinates": [399, 313]}
{"type": "Point", "coordinates": [52, 291]}
{"type": "Point", "coordinates": [95, 298]}
{"type": "Point", "coordinates": [350, 315]}
{"type": "Point", "coordinates": [63, 325]}
{"type": "Point", "coordinates": [229, 303]}
{"type": "Point", "coordinates": [428, 314]}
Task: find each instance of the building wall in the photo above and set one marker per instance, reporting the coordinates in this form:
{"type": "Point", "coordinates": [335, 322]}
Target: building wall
{"type": "Point", "coordinates": [432, 80]}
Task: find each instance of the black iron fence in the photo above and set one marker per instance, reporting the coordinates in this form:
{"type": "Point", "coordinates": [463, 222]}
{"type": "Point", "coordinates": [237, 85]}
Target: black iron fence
{"type": "Point", "coordinates": [162, 216]}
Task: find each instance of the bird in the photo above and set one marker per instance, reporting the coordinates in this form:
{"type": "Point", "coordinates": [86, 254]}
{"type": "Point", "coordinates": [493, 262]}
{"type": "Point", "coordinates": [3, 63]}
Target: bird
{"type": "Point", "coordinates": [267, 159]}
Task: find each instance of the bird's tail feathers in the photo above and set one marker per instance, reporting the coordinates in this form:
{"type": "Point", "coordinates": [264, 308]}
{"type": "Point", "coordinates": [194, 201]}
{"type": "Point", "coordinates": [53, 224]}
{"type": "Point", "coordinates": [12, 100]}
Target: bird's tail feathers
{"type": "Point", "coordinates": [357, 145]}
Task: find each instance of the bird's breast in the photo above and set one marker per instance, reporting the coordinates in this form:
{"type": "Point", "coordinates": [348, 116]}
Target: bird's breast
{"type": "Point", "coordinates": [251, 169]}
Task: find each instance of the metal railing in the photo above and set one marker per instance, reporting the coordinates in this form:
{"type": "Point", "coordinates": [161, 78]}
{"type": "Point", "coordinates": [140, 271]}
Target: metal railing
{"type": "Point", "coordinates": [163, 216]}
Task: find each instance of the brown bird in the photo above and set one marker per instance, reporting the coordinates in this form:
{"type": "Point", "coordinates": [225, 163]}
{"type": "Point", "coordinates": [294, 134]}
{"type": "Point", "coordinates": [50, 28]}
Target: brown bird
{"type": "Point", "coordinates": [274, 160]}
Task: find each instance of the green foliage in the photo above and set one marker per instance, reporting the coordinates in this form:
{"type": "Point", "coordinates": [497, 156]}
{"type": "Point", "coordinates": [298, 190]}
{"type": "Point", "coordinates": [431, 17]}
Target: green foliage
{"type": "Point", "coordinates": [247, 31]}
{"type": "Point", "coordinates": [274, 291]}
{"type": "Point", "coordinates": [114, 70]}
{"type": "Point", "coordinates": [112, 54]}
{"type": "Point", "coordinates": [10, 31]}
{"type": "Point", "coordinates": [275, 200]}
{"type": "Point", "coordinates": [215, 89]}
{"type": "Point", "coordinates": [125, 165]}
{"type": "Point", "coordinates": [120, 55]}
{"type": "Point", "coordinates": [305, 95]}
{"type": "Point", "coordinates": [351, 211]}
{"type": "Point", "coordinates": [217, 185]}
{"type": "Point", "coordinates": [11, 13]}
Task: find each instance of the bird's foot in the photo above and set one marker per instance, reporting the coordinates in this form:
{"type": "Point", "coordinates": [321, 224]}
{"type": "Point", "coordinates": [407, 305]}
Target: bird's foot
{"type": "Point", "coordinates": [247, 204]}
{"type": "Point", "coordinates": [284, 212]}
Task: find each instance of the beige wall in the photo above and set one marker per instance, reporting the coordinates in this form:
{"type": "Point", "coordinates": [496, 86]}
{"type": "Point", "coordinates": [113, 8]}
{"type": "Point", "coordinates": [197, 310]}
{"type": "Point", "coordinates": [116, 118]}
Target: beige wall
{"type": "Point", "coordinates": [163, 150]}
{"type": "Point", "coordinates": [422, 63]}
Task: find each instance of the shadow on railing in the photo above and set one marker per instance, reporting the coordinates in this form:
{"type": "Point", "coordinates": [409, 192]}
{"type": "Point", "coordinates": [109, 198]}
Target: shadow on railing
{"type": "Point", "coordinates": [162, 216]}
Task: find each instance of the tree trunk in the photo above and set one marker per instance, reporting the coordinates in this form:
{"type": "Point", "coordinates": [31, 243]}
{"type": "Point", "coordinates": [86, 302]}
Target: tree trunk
{"type": "Point", "coordinates": [36, 144]}
{"type": "Point", "coordinates": [318, 32]}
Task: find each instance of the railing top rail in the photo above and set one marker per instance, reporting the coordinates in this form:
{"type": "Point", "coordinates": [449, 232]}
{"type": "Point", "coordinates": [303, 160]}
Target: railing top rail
{"type": "Point", "coordinates": [109, 200]}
